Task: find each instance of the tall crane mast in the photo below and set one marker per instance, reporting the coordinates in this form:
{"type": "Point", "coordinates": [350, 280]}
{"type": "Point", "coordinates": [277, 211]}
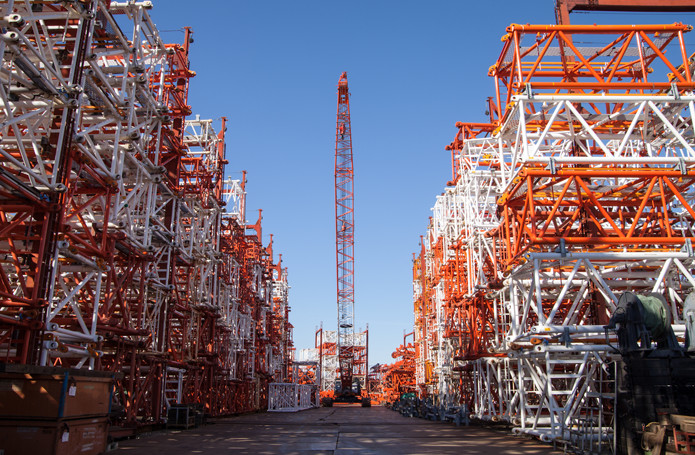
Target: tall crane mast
{"type": "Point", "coordinates": [344, 236]}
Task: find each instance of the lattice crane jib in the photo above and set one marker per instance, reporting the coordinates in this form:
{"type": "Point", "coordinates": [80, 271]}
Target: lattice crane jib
{"type": "Point", "coordinates": [344, 234]}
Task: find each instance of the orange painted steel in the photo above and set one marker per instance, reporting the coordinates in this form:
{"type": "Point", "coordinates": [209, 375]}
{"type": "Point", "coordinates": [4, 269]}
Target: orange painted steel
{"type": "Point", "coordinates": [567, 205]}
{"type": "Point", "coordinates": [325, 353]}
{"type": "Point", "coordinates": [345, 236]}
{"type": "Point", "coordinates": [425, 333]}
{"type": "Point", "coordinates": [563, 8]}
{"type": "Point", "coordinates": [529, 61]}
{"type": "Point", "coordinates": [578, 189]}
{"type": "Point", "coordinates": [466, 131]}
{"type": "Point", "coordinates": [398, 378]}
{"type": "Point", "coordinates": [32, 189]}
{"type": "Point", "coordinates": [120, 254]}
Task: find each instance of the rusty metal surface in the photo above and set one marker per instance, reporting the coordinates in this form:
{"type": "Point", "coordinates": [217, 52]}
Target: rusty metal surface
{"type": "Point", "coordinates": [338, 430]}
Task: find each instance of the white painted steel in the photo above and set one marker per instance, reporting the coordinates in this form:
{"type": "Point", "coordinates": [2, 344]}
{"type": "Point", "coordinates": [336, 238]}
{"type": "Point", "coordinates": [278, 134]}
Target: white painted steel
{"type": "Point", "coordinates": [290, 397]}
{"type": "Point", "coordinates": [524, 387]}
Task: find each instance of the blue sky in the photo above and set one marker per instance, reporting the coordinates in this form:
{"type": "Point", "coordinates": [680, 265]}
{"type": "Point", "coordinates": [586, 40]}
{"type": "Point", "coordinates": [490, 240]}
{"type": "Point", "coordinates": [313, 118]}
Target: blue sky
{"type": "Point", "coordinates": [414, 68]}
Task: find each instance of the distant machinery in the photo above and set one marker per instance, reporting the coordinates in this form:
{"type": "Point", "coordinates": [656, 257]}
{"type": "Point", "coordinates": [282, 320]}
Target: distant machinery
{"type": "Point", "coordinates": [655, 377]}
{"type": "Point", "coordinates": [390, 382]}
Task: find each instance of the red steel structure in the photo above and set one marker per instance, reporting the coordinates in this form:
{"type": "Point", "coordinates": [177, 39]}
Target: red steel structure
{"type": "Point", "coordinates": [325, 354]}
{"type": "Point", "coordinates": [345, 235]}
{"type": "Point", "coordinates": [565, 7]}
{"type": "Point", "coordinates": [124, 248]}
{"type": "Point", "coordinates": [390, 381]}
{"type": "Point", "coordinates": [578, 189]}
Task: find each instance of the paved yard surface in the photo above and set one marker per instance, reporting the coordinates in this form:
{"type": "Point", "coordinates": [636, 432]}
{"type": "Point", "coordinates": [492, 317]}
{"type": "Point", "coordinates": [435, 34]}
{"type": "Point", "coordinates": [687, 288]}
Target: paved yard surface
{"type": "Point", "coordinates": [337, 430]}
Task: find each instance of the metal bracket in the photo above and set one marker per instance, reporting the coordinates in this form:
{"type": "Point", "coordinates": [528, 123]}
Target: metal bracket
{"type": "Point", "coordinates": [565, 337]}
{"type": "Point", "coordinates": [682, 166]}
{"type": "Point", "coordinates": [528, 90]}
{"type": "Point", "coordinates": [674, 91]}
{"type": "Point", "coordinates": [688, 248]}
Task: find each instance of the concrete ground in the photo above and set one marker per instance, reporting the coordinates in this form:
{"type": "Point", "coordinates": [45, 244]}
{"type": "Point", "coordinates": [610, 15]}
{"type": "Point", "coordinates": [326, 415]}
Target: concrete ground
{"type": "Point", "coordinates": [337, 430]}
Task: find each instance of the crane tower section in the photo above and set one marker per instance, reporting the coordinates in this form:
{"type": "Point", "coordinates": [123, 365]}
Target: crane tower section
{"type": "Point", "coordinates": [344, 235]}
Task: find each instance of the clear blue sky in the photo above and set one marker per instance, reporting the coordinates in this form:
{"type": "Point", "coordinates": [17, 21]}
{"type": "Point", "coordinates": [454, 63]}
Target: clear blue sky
{"type": "Point", "coordinates": [414, 68]}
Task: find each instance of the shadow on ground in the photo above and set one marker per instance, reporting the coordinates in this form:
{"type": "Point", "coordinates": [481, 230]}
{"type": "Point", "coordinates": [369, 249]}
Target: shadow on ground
{"type": "Point", "coordinates": [338, 430]}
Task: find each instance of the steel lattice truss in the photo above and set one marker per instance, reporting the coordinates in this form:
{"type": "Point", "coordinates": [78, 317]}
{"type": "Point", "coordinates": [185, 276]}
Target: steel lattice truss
{"type": "Point", "coordinates": [390, 381]}
{"type": "Point", "coordinates": [325, 354]}
{"type": "Point", "coordinates": [580, 188]}
{"type": "Point", "coordinates": [345, 235]}
{"type": "Point", "coordinates": [123, 247]}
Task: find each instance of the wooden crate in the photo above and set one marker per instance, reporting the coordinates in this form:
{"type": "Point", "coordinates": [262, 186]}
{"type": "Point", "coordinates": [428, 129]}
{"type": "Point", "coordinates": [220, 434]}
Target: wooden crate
{"type": "Point", "coordinates": [54, 437]}
{"type": "Point", "coordinates": [53, 393]}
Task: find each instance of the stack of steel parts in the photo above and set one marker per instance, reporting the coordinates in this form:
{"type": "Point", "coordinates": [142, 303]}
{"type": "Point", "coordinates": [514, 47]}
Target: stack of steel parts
{"type": "Point", "coordinates": [579, 189]}
{"type": "Point", "coordinates": [376, 384]}
{"type": "Point", "coordinates": [390, 382]}
{"type": "Point", "coordinates": [122, 246]}
{"type": "Point", "coordinates": [299, 394]}
{"type": "Point", "coordinates": [325, 354]}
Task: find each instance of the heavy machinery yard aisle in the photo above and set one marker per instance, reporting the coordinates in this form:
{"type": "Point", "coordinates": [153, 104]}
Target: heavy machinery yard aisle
{"type": "Point", "coordinates": [338, 430]}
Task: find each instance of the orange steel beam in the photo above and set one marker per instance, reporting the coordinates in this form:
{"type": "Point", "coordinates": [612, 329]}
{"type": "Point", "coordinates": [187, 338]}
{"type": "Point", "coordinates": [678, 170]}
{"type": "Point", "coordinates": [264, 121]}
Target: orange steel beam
{"type": "Point", "coordinates": [526, 60]}
{"type": "Point", "coordinates": [551, 207]}
{"type": "Point", "coordinates": [563, 8]}
{"type": "Point", "coordinates": [399, 377]}
{"type": "Point", "coordinates": [466, 130]}
{"type": "Point", "coordinates": [599, 206]}
{"type": "Point", "coordinates": [189, 333]}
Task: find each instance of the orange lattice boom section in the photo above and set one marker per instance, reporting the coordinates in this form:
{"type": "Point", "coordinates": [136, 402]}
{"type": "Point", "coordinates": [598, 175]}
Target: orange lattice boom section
{"type": "Point", "coordinates": [576, 189]}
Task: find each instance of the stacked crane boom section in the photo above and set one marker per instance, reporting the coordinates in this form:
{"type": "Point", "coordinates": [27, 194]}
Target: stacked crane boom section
{"type": "Point", "coordinates": [579, 188]}
{"type": "Point", "coordinates": [123, 246]}
{"type": "Point", "coordinates": [326, 354]}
